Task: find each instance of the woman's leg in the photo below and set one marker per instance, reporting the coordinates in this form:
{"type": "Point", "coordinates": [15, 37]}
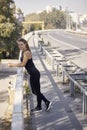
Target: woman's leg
{"type": "Point", "coordinates": [35, 86]}
{"type": "Point", "coordinates": [35, 90]}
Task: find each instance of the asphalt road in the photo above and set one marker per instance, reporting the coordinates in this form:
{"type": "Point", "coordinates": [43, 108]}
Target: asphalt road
{"type": "Point", "coordinates": [72, 46]}
{"type": "Point", "coordinates": [78, 41]}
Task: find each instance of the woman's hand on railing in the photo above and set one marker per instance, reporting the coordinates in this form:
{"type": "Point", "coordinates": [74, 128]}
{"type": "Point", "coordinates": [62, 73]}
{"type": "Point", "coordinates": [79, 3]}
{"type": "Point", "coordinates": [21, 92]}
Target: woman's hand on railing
{"type": "Point", "coordinates": [10, 65]}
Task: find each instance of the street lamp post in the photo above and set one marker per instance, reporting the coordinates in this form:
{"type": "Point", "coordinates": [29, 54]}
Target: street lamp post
{"type": "Point", "coordinates": [67, 19]}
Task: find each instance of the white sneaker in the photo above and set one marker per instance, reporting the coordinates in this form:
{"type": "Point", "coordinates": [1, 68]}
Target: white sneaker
{"type": "Point", "coordinates": [48, 106]}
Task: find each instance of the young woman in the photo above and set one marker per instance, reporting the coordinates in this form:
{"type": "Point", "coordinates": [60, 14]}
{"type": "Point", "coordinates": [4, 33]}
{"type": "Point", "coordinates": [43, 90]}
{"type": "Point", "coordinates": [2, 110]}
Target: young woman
{"type": "Point", "coordinates": [27, 62]}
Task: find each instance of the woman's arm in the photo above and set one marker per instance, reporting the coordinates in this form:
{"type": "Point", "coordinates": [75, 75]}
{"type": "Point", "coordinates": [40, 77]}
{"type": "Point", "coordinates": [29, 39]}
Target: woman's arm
{"type": "Point", "coordinates": [15, 64]}
{"type": "Point", "coordinates": [26, 56]}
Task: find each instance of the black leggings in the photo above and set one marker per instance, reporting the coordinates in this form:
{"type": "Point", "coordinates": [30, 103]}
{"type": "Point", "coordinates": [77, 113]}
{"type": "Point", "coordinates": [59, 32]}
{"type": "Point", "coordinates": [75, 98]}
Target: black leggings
{"type": "Point", "coordinates": [35, 87]}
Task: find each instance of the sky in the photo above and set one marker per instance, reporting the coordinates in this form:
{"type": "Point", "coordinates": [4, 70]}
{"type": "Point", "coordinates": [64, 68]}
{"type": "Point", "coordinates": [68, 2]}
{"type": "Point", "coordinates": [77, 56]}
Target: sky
{"type": "Point", "coordinates": [32, 6]}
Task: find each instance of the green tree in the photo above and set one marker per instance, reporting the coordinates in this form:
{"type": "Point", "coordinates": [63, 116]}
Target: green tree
{"type": "Point", "coordinates": [60, 20]}
{"type": "Point", "coordinates": [54, 19]}
{"type": "Point", "coordinates": [9, 28]}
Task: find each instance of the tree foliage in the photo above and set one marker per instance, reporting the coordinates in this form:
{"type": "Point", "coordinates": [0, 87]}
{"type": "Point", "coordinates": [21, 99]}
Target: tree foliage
{"type": "Point", "coordinates": [9, 29]}
{"type": "Point", "coordinates": [54, 19]}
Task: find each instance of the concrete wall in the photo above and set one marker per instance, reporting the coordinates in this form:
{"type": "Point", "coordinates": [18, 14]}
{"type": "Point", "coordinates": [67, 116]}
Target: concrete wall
{"type": "Point", "coordinates": [4, 65]}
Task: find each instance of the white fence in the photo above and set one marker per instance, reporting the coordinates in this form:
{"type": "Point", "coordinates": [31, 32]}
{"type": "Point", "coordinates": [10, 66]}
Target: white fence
{"type": "Point", "coordinates": [17, 117]}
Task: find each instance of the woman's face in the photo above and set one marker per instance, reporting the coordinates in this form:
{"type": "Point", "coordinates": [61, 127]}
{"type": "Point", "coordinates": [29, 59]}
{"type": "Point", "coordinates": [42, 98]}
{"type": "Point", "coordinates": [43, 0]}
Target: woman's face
{"type": "Point", "coordinates": [21, 46]}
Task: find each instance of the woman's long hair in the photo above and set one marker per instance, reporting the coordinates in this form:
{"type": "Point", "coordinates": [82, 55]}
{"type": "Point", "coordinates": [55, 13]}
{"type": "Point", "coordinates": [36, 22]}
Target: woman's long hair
{"type": "Point", "coordinates": [25, 42]}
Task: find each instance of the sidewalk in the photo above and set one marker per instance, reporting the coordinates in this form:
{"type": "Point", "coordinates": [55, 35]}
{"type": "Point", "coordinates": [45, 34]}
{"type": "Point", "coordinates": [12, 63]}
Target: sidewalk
{"type": "Point", "coordinates": [77, 32]}
{"type": "Point", "coordinates": [66, 112]}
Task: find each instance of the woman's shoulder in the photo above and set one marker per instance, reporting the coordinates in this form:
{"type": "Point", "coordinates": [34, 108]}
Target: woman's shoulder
{"type": "Point", "coordinates": [27, 53]}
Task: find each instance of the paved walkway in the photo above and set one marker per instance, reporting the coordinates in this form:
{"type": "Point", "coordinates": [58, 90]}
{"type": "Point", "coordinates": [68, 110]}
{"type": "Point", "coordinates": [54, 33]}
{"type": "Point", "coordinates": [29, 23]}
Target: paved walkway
{"type": "Point", "coordinates": [66, 112]}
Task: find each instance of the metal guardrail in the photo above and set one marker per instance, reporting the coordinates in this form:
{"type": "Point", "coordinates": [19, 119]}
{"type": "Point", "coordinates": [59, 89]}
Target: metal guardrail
{"type": "Point", "coordinates": [80, 80]}
{"type": "Point", "coordinates": [53, 56]}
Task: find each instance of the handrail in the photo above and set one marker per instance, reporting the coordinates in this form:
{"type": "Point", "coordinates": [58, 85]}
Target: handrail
{"type": "Point", "coordinates": [17, 116]}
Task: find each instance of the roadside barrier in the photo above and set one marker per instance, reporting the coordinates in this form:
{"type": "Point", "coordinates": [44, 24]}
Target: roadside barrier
{"type": "Point", "coordinates": [77, 78]}
{"type": "Point", "coordinates": [75, 74]}
{"type": "Point", "coordinates": [17, 116]}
